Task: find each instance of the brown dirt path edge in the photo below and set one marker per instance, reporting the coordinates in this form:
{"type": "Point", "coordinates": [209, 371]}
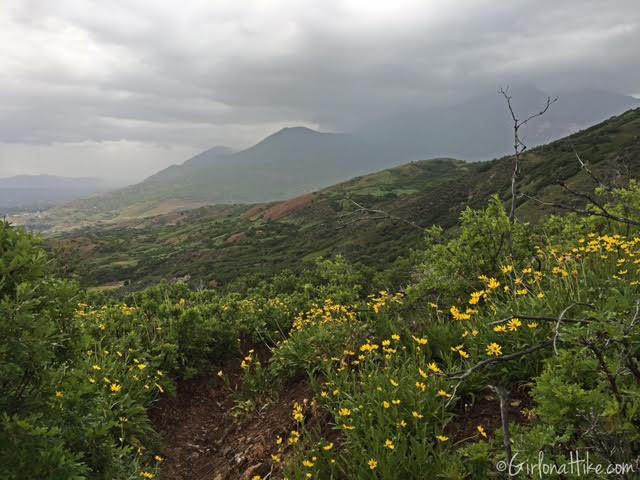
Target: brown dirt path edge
{"type": "Point", "coordinates": [203, 441]}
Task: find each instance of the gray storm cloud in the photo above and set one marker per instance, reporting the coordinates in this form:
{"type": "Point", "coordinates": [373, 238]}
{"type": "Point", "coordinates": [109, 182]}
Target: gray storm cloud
{"type": "Point", "coordinates": [124, 87]}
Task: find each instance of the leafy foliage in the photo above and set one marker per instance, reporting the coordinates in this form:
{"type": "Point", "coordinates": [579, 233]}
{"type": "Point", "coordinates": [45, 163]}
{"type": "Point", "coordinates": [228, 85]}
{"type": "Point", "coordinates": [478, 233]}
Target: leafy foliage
{"type": "Point", "coordinates": [548, 311]}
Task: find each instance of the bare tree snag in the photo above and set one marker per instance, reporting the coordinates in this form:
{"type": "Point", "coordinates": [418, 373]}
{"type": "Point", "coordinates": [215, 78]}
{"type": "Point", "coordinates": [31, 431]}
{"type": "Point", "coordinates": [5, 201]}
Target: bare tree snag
{"type": "Point", "coordinates": [518, 145]}
{"type": "Point", "coordinates": [503, 396]}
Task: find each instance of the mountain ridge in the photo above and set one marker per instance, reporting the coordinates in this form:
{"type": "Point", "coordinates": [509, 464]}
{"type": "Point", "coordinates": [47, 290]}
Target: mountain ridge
{"type": "Point", "coordinates": [217, 244]}
{"type": "Point", "coordinates": [298, 160]}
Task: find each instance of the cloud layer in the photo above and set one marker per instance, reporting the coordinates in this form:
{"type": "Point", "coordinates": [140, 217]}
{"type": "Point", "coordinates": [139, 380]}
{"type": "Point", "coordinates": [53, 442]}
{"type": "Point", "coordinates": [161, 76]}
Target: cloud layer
{"type": "Point", "coordinates": [124, 87]}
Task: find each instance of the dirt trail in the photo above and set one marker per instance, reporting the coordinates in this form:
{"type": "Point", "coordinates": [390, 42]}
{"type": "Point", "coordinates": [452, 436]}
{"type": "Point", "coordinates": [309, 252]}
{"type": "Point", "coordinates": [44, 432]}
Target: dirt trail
{"type": "Point", "coordinates": [202, 440]}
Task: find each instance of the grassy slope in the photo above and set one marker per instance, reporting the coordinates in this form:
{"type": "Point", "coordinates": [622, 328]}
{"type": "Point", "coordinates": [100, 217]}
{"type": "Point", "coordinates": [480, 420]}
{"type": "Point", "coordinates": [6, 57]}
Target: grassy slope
{"type": "Point", "coordinates": [288, 163]}
{"type": "Point", "coordinates": [217, 244]}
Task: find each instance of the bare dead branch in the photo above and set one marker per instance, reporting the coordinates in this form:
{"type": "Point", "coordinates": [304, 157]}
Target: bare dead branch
{"type": "Point", "coordinates": [381, 214]}
{"type": "Point", "coordinates": [503, 397]}
{"type": "Point", "coordinates": [536, 318]}
{"type": "Point", "coordinates": [518, 145]}
{"type": "Point", "coordinates": [585, 168]}
{"type": "Point", "coordinates": [556, 333]}
{"type": "Point", "coordinates": [634, 319]}
{"type": "Point", "coordinates": [490, 361]}
{"type": "Point", "coordinates": [549, 102]}
{"type": "Point", "coordinates": [605, 369]}
{"type": "Point", "coordinates": [591, 213]}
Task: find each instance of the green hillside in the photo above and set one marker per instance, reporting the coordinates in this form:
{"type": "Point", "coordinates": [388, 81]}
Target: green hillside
{"type": "Point", "coordinates": [298, 160]}
{"type": "Point", "coordinates": [512, 342]}
{"type": "Point", "coordinates": [290, 162]}
{"type": "Point", "coordinates": [215, 245]}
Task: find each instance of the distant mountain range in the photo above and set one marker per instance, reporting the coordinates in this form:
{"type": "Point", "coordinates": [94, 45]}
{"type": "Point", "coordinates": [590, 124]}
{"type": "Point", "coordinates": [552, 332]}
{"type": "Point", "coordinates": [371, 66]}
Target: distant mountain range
{"type": "Point", "coordinates": [298, 160]}
{"type": "Point", "coordinates": [34, 192]}
{"type": "Point", "coordinates": [216, 244]}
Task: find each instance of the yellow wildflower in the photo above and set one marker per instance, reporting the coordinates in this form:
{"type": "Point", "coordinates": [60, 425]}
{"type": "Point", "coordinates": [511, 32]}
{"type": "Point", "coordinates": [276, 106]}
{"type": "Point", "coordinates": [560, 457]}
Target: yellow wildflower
{"type": "Point", "coordinates": [297, 412]}
{"type": "Point", "coordinates": [514, 324]}
{"type": "Point", "coordinates": [443, 393]}
{"type": "Point", "coordinates": [560, 272]}
{"type": "Point", "coordinates": [294, 437]}
{"type": "Point", "coordinates": [493, 349]}
{"type": "Point", "coordinates": [434, 367]}
{"type": "Point", "coordinates": [420, 341]}
{"type": "Point", "coordinates": [476, 297]}
{"type": "Point", "coordinates": [458, 315]}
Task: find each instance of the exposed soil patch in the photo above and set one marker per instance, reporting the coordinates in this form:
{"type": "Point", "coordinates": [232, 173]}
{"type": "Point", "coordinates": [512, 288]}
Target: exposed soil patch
{"type": "Point", "coordinates": [485, 411]}
{"type": "Point", "coordinates": [236, 238]}
{"type": "Point", "coordinates": [203, 440]}
{"type": "Point", "coordinates": [283, 209]}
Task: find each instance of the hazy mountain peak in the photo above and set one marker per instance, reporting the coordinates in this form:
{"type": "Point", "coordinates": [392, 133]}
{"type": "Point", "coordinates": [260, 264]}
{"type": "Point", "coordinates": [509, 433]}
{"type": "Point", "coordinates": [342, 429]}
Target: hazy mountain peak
{"type": "Point", "coordinates": [205, 158]}
{"type": "Point", "coordinates": [292, 132]}
{"type": "Point", "coordinates": [296, 130]}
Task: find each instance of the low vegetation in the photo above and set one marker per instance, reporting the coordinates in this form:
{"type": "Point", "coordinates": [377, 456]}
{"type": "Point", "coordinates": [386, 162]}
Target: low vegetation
{"type": "Point", "coordinates": [490, 344]}
{"type": "Point", "coordinates": [553, 320]}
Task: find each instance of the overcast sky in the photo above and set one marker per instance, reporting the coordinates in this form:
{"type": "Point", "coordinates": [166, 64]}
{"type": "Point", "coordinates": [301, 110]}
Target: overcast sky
{"type": "Point", "coordinates": [121, 88]}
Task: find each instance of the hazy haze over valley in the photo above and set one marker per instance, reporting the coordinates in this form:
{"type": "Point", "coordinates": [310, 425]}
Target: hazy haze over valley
{"type": "Point", "coordinates": [124, 89]}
